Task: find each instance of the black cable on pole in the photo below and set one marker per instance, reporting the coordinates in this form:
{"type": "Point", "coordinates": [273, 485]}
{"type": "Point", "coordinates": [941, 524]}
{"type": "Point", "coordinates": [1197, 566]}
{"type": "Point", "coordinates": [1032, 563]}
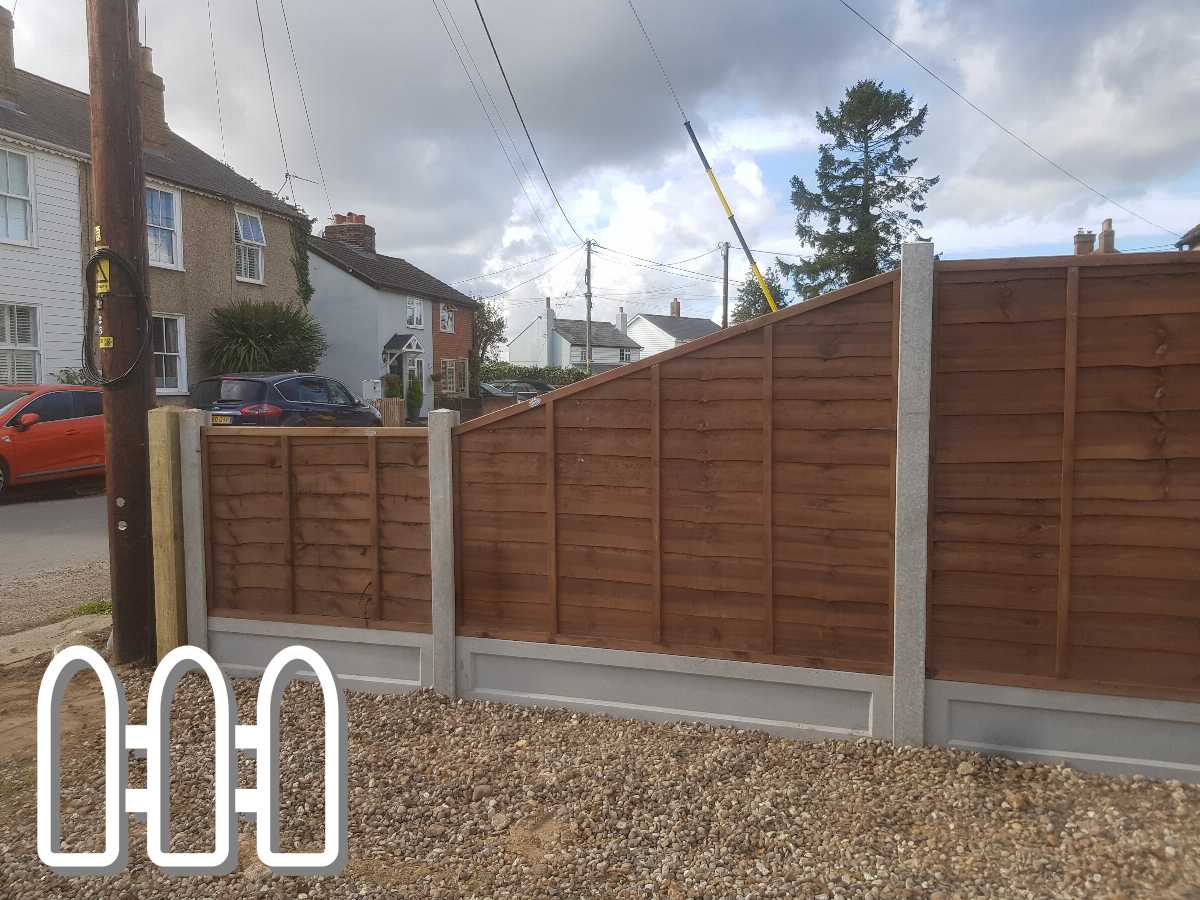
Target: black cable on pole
{"type": "Point", "coordinates": [1016, 137]}
{"type": "Point", "coordinates": [658, 59]}
{"type": "Point", "coordinates": [537, 156]}
{"type": "Point", "coordinates": [660, 263]}
{"type": "Point", "coordinates": [503, 149]}
{"type": "Point", "coordinates": [526, 262]}
{"type": "Point", "coordinates": [534, 278]}
{"type": "Point", "coordinates": [287, 172]}
{"type": "Point", "coordinates": [304, 102]}
{"type": "Point", "coordinates": [212, 47]}
{"type": "Point", "coordinates": [137, 286]}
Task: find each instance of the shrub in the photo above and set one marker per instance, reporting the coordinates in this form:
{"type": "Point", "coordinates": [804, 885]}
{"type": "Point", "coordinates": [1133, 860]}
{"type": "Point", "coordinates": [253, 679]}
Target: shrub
{"type": "Point", "coordinates": [262, 337]}
{"type": "Point", "coordinates": [393, 385]}
{"type": "Point", "coordinates": [414, 398]}
{"type": "Point", "coordinates": [491, 370]}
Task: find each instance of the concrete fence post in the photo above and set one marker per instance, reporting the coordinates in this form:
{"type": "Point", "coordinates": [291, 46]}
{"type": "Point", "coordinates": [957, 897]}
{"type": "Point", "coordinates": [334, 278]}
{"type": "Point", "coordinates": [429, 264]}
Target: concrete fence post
{"type": "Point", "coordinates": [166, 510]}
{"type": "Point", "coordinates": [912, 491]}
{"type": "Point", "coordinates": [441, 545]}
{"type": "Point", "coordinates": [192, 499]}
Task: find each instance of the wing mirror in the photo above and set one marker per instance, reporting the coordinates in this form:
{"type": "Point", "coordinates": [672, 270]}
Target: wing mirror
{"type": "Point", "coordinates": [27, 419]}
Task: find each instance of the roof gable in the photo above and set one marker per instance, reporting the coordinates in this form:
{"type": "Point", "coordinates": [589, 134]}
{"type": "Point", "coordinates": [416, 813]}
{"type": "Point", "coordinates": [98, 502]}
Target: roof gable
{"type": "Point", "coordinates": [682, 328]}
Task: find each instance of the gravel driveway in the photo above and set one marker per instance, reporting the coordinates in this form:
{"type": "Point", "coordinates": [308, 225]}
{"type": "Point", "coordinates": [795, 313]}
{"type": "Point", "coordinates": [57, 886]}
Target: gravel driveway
{"type": "Point", "coordinates": [476, 800]}
{"type": "Point", "coordinates": [27, 601]}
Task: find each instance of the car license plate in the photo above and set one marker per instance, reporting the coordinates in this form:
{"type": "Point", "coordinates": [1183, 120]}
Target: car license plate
{"type": "Point", "coordinates": [222, 420]}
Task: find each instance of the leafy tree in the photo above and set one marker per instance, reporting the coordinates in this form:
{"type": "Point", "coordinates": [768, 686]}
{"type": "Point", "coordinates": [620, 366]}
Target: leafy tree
{"type": "Point", "coordinates": [487, 334]}
{"type": "Point", "coordinates": [262, 337]}
{"type": "Point", "coordinates": [750, 302]}
{"type": "Point", "coordinates": [864, 196]}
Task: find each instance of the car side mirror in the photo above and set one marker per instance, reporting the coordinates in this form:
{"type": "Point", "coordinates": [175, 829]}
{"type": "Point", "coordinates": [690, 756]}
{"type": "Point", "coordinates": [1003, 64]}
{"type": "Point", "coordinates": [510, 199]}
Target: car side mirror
{"type": "Point", "coordinates": [28, 419]}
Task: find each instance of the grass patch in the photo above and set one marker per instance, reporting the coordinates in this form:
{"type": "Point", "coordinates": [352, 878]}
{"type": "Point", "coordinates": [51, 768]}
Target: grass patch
{"type": "Point", "coordinates": [94, 608]}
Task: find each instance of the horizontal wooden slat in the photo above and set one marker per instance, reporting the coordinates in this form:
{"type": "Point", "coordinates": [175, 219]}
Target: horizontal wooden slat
{"type": "Point", "coordinates": [999, 393]}
{"type": "Point", "coordinates": [828, 478]}
{"type": "Point", "coordinates": [602, 531]}
{"type": "Point", "coordinates": [869, 387]}
{"type": "Point", "coordinates": [602, 500]}
{"type": "Point", "coordinates": [1035, 297]}
{"type": "Point", "coordinates": [580, 412]}
{"type": "Point", "coordinates": [998, 439]}
{"type": "Point", "coordinates": [519, 468]}
{"type": "Point", "coordinates": [715, 476]}
{"type": "Point", "coordinates": [1140, 341]}
{"type": "Point", "coordinates": [834, 414]}
{"type": "Point", "coordinates": [478, 525]}
{"type": "Point", "coordinates": [949, 655]}
{"type": "Point", "coordinates": [832, 547]}
{"type": "Point", "coordinates": [712, 539]}
{"type": "Point", "coordinates": [1011, 559]}
{"type": "Point", "coordinates": [713, 415]}
{"type": "Point", "coordinates": [1134, 389]}
{"type": "Point", "coordinates": [679, 443]}
{"type": "Point", "coordinates": [833, 511]}
{"type": "Point", "coordinates": [850, 584]}
{"type": "Point", "coordinates": [795, 339]}
{"type": "Point", "coordinates": [1164, 290]}
{"type": "Point", "coordinates": [991, 590]}
{"type": "Point", "coordinates": [1000, 347]}
{"type": "Point", "coordinates": [614, 471]}
{"type": "Point", "coordinates": [603, 441]}
{"type": "Point", "coordinates": [997, 529]}
{"type": "Point", "coordinates": [824, 643]}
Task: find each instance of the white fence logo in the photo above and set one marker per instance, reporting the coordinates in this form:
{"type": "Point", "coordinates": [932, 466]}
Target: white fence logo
{"type": "Point", "coordinates": [260, 739]}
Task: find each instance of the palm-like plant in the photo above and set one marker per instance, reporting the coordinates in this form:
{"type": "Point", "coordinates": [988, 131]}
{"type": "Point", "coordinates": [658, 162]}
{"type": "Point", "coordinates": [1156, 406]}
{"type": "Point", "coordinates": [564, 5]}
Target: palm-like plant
{"type": "Point", "coordinates": [262, 337]}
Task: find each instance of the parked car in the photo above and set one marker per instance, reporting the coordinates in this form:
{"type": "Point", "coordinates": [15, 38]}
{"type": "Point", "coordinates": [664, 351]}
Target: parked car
{"type": "Point", "coordinates": [519, 390]}
{"type": "Point", "coordinates": [48, 432]}
{"type": "Point", "coordinates": [292, 398]}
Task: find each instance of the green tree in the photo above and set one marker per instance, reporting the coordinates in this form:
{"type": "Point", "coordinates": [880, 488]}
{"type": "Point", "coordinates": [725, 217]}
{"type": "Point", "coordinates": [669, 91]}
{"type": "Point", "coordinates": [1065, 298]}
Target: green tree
{"type": "Point", "coordinates": [487, 334]}
{"type": "Point", "coordinates": [750, 302]}
{"type": "Point", "coordinates": [262, 337]}
{"type": "Point", "coordinates": [865, 198]}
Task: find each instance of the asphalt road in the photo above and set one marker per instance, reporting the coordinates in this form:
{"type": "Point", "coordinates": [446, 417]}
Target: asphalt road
{"type": "Point", "coordinates": [52, 527]}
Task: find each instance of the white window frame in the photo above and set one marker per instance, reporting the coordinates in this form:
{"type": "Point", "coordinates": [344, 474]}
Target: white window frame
{"type": "Point", "coordinates": [446, 317]}
{"type": "Point", "coordinates": [36, 347]}
{"type": "Point", "coordinates": [262, 248]}
{"type": "Point", "coordinates": [31, 175]}
{"type": "Point", "coordinates": [626, 354]}
{"type": "Point", "coordinates": [177, 228]}
{"type": "Point", "coordinates": [181, 338]}
{"type": "Point", "coordinates": [414, 315]}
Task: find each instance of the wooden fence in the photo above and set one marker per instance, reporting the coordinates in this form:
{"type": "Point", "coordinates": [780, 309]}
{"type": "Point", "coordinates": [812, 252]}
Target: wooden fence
{"type": "Point", "coordinates": [1065, 501]}
{"type": "Point", "coordinates": [325, 525]}
{"type": "Point", "coordinates": [730, 498]}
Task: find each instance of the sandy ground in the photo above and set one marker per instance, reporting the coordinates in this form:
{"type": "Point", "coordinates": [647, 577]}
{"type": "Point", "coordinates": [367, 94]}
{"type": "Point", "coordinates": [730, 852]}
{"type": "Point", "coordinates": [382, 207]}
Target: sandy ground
{"type": "Point", "coordinates": [27, 601]}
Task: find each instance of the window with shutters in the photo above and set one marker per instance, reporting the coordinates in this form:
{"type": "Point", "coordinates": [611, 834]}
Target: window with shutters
{"type": "Point", "coordinates": [16, 198]}
{"type": "Point", "coordinates": [163, 233]}
{"type": "Point", "coordinates": [170, 355]}
{"type": "Point", "coordinates": [249, 240]}
{"type": "Point", "coordinates": [18, 344]}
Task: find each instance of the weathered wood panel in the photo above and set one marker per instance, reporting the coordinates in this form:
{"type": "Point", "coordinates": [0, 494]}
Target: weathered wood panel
{"type": "Point", "coordinates": [1065, 516]}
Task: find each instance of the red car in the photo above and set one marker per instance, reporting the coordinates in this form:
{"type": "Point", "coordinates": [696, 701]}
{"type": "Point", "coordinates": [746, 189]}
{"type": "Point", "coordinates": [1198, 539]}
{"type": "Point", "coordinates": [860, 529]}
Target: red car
{"type": "Point", "coordinates": [49, 431]}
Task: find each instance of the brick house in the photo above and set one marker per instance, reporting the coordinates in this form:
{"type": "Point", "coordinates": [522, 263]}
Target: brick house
{"type": "Point", "coordinates": [382, 315]}
{"type": "Point", "coordinates": [213, 236]}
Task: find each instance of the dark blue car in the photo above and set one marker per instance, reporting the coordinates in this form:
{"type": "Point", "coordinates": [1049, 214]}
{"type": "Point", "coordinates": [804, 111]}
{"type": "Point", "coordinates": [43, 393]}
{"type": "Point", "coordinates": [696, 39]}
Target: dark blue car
{"type": "Point", "coordinates": [293, 398]}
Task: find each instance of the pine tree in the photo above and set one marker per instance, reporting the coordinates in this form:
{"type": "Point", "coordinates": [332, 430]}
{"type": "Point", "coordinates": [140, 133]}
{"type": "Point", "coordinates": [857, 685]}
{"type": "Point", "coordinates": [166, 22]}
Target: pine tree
{"type": "Point", "coordinates": [750, 302]}
{"type": "Point", "coordinates": [864, 198]}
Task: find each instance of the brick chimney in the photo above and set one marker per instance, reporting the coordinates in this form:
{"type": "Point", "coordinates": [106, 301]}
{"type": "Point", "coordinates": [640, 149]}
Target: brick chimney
{"type": "Point", "coordinates": [8, 63]}
{"type": "Point", "coordinates": [352, 228]}
{"type": "Point", "coordinates": [675, 307]}
{"type": "Point", "coordinates": [153, 109]}
{"type": "Point", "coordinates": [622, 322]}
{"type": "Point", "coordinates": [1108, 238]}
{"type": "Point", "coordinates": [1085, 242]}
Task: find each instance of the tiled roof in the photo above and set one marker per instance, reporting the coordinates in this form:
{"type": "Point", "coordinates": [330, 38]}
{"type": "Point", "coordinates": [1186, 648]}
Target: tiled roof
{"type": "Point", "coordinates": [387, 273]}
{"type": "Point", "coordinates": [1191, 239]}
{"type": "Point", "coordinates": [604, 334]}
{"type": "Point", "coordinates": [683, 328]}
{"type": "Point", "coordinates": [51, 113]}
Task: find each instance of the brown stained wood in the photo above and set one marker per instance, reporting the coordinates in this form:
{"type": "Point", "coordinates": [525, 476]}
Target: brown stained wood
{"type": "Point", "coordinates": [500, 497]}
{"type": "Point", "coordinates": [581, 412]}
{"type": "Point", "coordinates": [832, 547]}
{"type": "Point", "coordinates": [768, 438]}
{"type": "Point", "coordinates": [1168, 634]}
{"type": "Point", "coordinates": [711, 388]}
{"type": "Point", "coordinates": [1136, 340]}
{"type": "Point", "coordinates": [701, 414]}
{"type": "Point", "coordinates": [1129, 389]}
{"type": "Point", "coordinates": [846, 387]}
{"type": "Point", "coordinates": [990, 590]}
{"type": "Point", "coordinates": [1000, 347]}
{"type": "Point", "coordinates": [604, 441]}
{"type": "Point", "coordinates": [604, 594]}
{"type": "Point", "coordinates": [832, 511]}
{"type": "Point", "coordinates": [894, 321]}
{"type": "Point", "coordinates": [657, 499]}
{"type": "Point", "coordinates": [999, 393]}
{"type": "Point", "coordinates": [833, 479]}
{"type": "Point", "coordinates": [1161, 291]}
{"type": "Point", "coordinates": [840, 342]}
{"type": "Point", "coordinates": [285, 460]}
{"type": "Point", "coordinates": [551, 516]}
{"type": "Point", "coordinates": [951, 656]}
{"type": "Point", "coordinates": [835, 414]}
{"type": "Point", "coordinates": [1005, 559]}
{"type": "Point", "coordinates": [999, 529]}
{"type": "Point", "coordinates": [1067, 494]}
{"type": "Point", "coordinates": [999, 481]}
{"type": "Point", "coordinates": [684, 443]}
{"type": "Point", "coordinates": [617, 472]}
{"type": "Point", "coordinates": [1035, 296]}
{"type": "Point", "coordinates": [248, 431]}
{"type": "Point", "coordinates": [376, 609]}
{"type": "Point", "coordinates": [1135, 262]}
{"type": "Point", "coordinates": [350, 453]}
{"type": "Point", "coordinates": [206, 503]}
{"type": "Point", "coordinates": [500, 468]}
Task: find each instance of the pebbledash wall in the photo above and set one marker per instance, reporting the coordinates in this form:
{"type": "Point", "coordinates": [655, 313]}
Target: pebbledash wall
{"type": "Point", "coordinates": [1007, 564]}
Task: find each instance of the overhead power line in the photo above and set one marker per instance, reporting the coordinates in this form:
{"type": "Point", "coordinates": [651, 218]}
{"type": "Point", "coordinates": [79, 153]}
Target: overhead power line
{"type": "Point", "coordinates": [534, 278]}
{"type": "Point", "coordinates": [659, 263]}
{"type": "Point", "coordinates": [537, 156]}
{"type": "Point", "coordinates": [212, 47]}
{"type": "Point", "coordinates": [1016, 137]}
{"type": "Point", "coordinates": [526, 262]}
{"type": "Point", "coordinates": [658, 59]}
{"type": "Point", "coordinates": [487, 115]}
{"type": "Point", "coordinates": [303, 102]}
{"type": "Point", "coordinates": [287, 172]}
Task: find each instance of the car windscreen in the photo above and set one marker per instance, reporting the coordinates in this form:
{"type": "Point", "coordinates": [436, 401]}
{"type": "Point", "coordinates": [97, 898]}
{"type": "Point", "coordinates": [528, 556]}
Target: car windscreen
{"type": "Point", "coordinates": [228, 390]}
{"type": "Point", "coordinates": [8, 398]}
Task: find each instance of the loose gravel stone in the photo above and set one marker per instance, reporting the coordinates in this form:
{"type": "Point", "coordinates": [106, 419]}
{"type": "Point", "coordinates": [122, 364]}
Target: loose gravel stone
{"type": "Point", "coordinates": [455, 799]}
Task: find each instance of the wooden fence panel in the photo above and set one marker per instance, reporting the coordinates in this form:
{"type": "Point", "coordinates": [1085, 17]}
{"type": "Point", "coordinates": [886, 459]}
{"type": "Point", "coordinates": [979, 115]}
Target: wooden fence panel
{"type": "Point", "coordinates": [1064, 529]}
{"type": "Point", "coordinates": [730, 498]}
{"type": "Point", "coordinates": [327, 525]}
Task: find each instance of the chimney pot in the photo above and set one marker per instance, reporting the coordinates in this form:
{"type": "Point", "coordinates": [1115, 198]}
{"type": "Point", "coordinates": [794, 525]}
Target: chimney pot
{"type": "Point", "coordinates": [675, 307]}
{"type": "Point", "coordinates": [351, 228]}
{"type": "Point", "coordinates": [1108, 238]}
{"type": "Point", "coordinates": [1085, 242]}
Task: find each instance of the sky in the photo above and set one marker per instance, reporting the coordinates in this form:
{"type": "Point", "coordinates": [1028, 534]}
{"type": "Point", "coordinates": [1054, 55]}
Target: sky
{"type": "Point", "coordinates": [1109, 90]}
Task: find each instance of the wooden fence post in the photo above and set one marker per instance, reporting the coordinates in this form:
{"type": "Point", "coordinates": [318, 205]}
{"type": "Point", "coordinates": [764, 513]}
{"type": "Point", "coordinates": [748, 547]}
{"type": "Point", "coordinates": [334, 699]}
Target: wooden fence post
{"type": "Point", "coordinates": [441, 546]}
{"type": "Point", "coordinates": [911, 565]}
{"type": "Point", "coordinates": [166, 514]}
{"type": "Point", "coordinates": [193, 501]}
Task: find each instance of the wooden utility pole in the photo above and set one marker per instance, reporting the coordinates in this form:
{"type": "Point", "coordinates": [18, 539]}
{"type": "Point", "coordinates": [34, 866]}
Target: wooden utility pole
{"type": "Point", "coordinates": [587, 352]}
{"type": "Point", "coordinates": [122, 320]}
{"type": "Point", "coordinates": [725, 284]}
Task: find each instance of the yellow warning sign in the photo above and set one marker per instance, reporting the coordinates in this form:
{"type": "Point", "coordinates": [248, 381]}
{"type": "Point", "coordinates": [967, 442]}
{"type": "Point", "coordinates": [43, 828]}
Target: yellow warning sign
{"type": "Point", "coordinates": [103, 285]}
{"type": "Point", "coordinates": [106, 343]}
